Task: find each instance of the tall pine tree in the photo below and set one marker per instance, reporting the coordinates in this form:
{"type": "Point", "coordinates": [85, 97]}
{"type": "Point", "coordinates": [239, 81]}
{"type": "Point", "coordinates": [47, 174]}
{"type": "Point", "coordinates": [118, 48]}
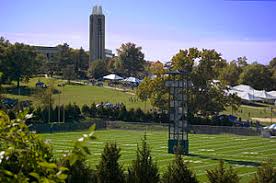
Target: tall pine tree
{"type": "Point", "coordinates": [178, 172]}
{"type": "Point", "coordinates": [222, 175]}
{"type": "Point", "coordinates": [265, 174]}
{"type": "Point", "coordinates": [109, 170]}
{"type": "Point", "coordinates": [143, 169]}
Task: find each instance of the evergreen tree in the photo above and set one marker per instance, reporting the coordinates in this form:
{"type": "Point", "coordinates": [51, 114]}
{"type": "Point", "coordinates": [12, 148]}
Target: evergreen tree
{"type": "Point", "coordinates": [178, 172]}
{"type": "Point", "coordinates": [222, 175]}
{"type": "Point", "coordinates": [109, 170]}
{"type": "Point", "coordinates": [265, 174]}
{"type": "Point", "coordinates": [143, 170]}
{"type": "Point", "coordinates": [93, 110]}
{"type": "Point", "coordinates": [85, 110]}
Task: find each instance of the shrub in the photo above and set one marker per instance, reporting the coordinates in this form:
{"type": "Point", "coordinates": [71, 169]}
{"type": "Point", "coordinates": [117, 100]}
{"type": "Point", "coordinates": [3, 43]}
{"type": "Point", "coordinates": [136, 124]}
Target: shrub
{"type": "Point", "coordinates": [123, 114]}
{"type": "Point", "coordinates": [143, 170]}
{"type": "Point", "coordinates": [24, 157]}
{"type": "Point", "coordinates": [85, 110]}
{"type": "Point", "coordinates": [265, 174]}
{"type": "Point", "coordinates": [222, 175]}
{"type": "Point", "coordinates": [74, 161]}
{"type": "Point", "coordinates": [140, 115]}
{"type": "Point", "coordinates": [72, 113]}
{"type": "Point", "coordinates": [178, 172]}
{"type": "Point", "coordinates": [93, 110]}
{"type": "Point", "coordinates": [109, 169]}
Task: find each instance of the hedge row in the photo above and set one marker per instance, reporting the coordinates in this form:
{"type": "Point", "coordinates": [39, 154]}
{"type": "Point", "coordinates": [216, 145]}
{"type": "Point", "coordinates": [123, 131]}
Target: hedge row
{"type": "Point", "coordinates": [73, 113]}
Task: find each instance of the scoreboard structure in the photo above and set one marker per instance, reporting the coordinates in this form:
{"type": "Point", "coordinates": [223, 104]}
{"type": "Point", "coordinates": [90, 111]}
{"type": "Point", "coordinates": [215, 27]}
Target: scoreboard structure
{"type": "Point", "coordinates": [178, 109]}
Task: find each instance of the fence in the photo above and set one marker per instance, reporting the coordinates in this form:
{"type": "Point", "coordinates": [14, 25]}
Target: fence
{"type": "Point", "coordinates": [196, 129]}
{"type": "Point", "coordinates": [102, 124]}
{"type": "Point", "coordinates": [60, 127]}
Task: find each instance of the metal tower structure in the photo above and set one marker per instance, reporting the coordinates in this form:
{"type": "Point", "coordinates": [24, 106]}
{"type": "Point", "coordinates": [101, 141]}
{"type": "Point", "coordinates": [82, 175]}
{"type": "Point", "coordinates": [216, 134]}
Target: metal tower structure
{"type": "Point", "coordinates": [178, 108]}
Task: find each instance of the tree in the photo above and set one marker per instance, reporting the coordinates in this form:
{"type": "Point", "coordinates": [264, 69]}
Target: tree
{"type": "Point", "coordinates": [272, 68]}
{"type": "Point", "coordinates": [69, 73]}
{"type": "Point", "coordinates": [45, 97]}
{"type": "Point", "coordinates": [257, 76]}
{"type": "Point", "coordinates": [242, 62]}
{"type": "Point", "coordinates": [234, 102]}
{"type": "Point", "coordinates": [185, 59]}
{"type": "Point", "coordinates": [202, 66]}
{"type": "Point", "coordinates": [4, 45]}
{"type": "Point", "coordinates": [272, 63]}
{"type": "Point", "coordinates": [75, 160]}
{"type": "Point", "coordinates": [24, 157]}
{"type": "Point", "coordinates": [109, 170]}
{"type": "Point", "coordinates": [143, 91]}
{"type": "Point", "coordinates": [265, 174]}
{"type": "Point", "coordinates": [63, 57]}
{"type": "Point", "coordinates": [230, 74]}
{"type": "Point", "coordinates": [157, 68]}
{"type": "Point", "coordinates": [85, 110]}
{"type": "Point", "coordinates": [143, 170]}
{"type": "Point", "coordinates": [82, 62]}
{"type": "Point", "coordinates": [21, 63]}
{"type": "Point", "coordinates": [130, 60]}
{"type": "Point", "coordinates": [178, 172]}
{"type": "Point", "coordinates": [222, 175]}
{"type": "Point", "coordinates": [98, 69]}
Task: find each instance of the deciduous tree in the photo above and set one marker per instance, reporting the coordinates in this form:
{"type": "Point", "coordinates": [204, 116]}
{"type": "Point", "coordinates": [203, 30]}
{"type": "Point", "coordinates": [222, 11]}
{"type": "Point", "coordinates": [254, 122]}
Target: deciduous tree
{"type": "Point", "coordinates": [130, 60]}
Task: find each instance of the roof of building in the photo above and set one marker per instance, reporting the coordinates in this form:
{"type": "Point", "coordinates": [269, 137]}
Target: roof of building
{"type": "Point", "coordinates": [97, 10]}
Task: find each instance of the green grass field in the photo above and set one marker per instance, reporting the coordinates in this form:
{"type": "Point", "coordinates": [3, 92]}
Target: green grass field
{"type": "Point", "coordinates": [242, 152]}
{"type": "Point", "coordinates": [81, 95]}
{"type": "Point", "coordinates": [89, 94]}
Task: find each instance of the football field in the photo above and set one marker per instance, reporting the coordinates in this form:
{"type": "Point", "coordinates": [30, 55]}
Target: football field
{"type": "Point", "coordinates": [244, 153]}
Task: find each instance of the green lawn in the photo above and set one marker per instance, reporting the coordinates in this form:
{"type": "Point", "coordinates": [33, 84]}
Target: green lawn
{"type": "Point", "coordinates": [80, 94]}
{"type": "Point", "coordinates": [242, 152]}
{"type": "Point", "coordinates": [89, 94]}
{"type": "Point", "coordinates": [247, 112]}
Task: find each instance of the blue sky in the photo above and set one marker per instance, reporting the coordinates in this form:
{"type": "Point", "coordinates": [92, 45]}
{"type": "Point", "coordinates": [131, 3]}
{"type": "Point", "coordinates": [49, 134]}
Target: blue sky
{"type": "Point", "coordinates": [162, 27]}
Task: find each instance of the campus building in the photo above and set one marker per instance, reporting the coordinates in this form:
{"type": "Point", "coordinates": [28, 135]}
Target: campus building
{"type": "Point", "coordinates": [48, 52]}
{"type": "Point", "coordinates": [97, 34]}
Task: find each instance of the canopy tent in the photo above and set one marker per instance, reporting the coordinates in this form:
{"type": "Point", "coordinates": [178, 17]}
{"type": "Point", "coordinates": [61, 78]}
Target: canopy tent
{"type": "Point", "coordinates": [272, 93]}
{"type": "Point", "coordinates": [132, 80]}
{"type": "Point", "coordinates": [114, 77]}
{"type": "Point", "coordinates": [263, 94]}
{"type": "Point", "coordinates": [248, 96]}
{"type": "Point", "coordinates": [243, 88]}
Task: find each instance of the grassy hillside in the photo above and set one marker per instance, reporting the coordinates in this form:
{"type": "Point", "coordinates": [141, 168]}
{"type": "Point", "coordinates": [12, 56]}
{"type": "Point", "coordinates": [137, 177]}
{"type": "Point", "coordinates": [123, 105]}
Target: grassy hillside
{"type": "Point", "coordinates": [242, 152]}
{"type": "Point", "coordinates": [78, 94]}
{"type": "Point", "coordinates": [89, 94]}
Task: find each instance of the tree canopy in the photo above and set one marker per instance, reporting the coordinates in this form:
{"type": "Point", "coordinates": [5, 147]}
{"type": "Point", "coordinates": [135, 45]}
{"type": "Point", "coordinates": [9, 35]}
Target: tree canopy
{"type": "Point", "coordinates": [130, 60]}
{"type": "Point", "coordinates": [22, 61]}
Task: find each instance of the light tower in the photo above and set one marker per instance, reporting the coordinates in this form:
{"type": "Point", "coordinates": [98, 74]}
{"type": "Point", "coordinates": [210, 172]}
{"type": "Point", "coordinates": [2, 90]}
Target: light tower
{"type": "Point", "coordinates": [178, 84]}
{"type": "Point", "coordinates": [97, 34]}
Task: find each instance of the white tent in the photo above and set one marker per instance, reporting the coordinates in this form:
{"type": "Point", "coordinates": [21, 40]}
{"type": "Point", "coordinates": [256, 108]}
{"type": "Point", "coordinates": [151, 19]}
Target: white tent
{"type": "Point", "coordinates": [248, 96]}
{"type": "Point", "coordinates": [243, 88]}
{"type": "Point", "coordinates": [263, 94]}
{"type": "Point", "coordinates": [113, 77]}
{"type": "Point", "coordinates": [132, 80]}
{"type": "Point", "coordinates": [272, 93]}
